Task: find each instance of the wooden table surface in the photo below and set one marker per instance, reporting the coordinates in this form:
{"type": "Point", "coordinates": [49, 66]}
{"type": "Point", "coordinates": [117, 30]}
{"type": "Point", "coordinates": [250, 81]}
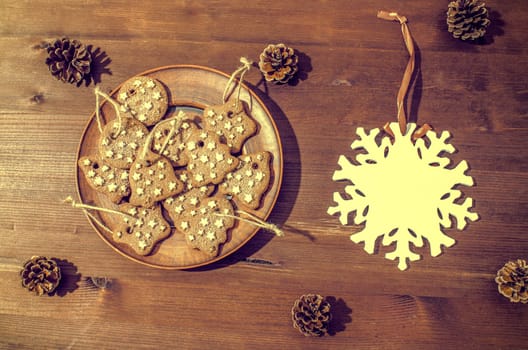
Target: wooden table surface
{"type": "Point", "coordinates": [351, 65]}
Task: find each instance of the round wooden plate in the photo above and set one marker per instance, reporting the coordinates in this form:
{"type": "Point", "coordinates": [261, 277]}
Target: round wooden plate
{"type": "Point", "coordinates": [190, 88]}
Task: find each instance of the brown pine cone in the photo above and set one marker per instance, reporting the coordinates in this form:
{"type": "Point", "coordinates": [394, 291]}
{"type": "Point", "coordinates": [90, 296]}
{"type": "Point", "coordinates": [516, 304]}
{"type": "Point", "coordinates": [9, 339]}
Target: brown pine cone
{"type": "Point", "coordinates": [278, 63]}
{"type": "Point", "coordinates": [512, 280]}
{"type": "Point", "coordinates": [40, 275]}
{"type": "Point", "coordinates": [311, 315]}
{"type": "Point", "coordinates": [68, 60]}
{"type": "Point", "coordinates": [467, 19]}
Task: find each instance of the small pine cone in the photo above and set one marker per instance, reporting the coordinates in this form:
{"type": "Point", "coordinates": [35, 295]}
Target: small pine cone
{"type": "Point", "coordinates": [68, 60]}
{"type": "Point", "coordinates": [467, 19]}
{"type": "Point", "coordinates": [512, 280]}
{"type": "Point", "coordinates": [278, 63]}
{"type": "Point", "coordinates": [40, 275]}
{"type": "Point", "coordinates": [311, 315]}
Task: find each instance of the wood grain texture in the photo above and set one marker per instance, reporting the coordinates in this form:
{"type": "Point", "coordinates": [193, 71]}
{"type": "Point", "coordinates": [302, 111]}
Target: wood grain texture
{"type": "Point", "coordinates": [351, 65]}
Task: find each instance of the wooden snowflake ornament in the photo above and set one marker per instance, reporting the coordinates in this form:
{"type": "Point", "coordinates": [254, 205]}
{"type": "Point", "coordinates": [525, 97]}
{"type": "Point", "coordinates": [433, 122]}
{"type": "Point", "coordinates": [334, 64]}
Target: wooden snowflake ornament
{"type": "Point", "coordinates": [403, 191]}
{"type": "Point", "coordinates": [403, 188]}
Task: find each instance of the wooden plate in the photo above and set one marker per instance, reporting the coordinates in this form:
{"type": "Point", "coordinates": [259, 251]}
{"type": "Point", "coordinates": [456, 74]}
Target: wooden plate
{"type": "Point", "coordinates": [190, 88]}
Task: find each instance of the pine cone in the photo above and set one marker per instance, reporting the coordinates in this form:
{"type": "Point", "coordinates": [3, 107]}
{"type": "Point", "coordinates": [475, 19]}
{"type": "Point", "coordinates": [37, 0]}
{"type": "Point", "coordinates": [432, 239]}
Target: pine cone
{"type": "Point", "coordinates": [512, 280]}
{"type": "Point", "coordinates": [40, 275]}
{"type": "Point", "coordinates": [278, 63]}
{"type": "Point", "coordinates": [68, 60]}
{"type": "Point", "coordinates": [467, 19]}
{"type": "Point", "coordinates": [311, 315]}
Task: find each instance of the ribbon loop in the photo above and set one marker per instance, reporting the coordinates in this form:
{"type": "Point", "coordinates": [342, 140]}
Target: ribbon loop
{"type": "Point", "coordinates": [407, 75]}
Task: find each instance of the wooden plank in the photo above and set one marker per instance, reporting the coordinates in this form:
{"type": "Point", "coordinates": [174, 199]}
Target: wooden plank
{"type": "Point", "coordinates": [351, 69]}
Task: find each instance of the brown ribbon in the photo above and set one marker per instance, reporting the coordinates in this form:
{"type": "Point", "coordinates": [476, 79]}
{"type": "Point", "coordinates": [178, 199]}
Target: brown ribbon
{"type": "Point", "coordinates": [407, 75]}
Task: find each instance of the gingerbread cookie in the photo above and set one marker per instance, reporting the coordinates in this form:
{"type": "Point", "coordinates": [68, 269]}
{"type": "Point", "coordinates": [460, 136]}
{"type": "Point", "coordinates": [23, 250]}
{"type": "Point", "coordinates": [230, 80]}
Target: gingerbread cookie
{"type": "Point", "coordinates": [209, 159]}
{"type": "Point", "coordinates": [142, 229]}
{"type": "Point", "coordinates": [145, 98]}
{"type": "Point", "coordinates": [120, 141]}
{"type": "Point", "coordinates": [152, 179]}
{"type": "Point", "coordinates": [103, 178]}
{"type": "Point", "coordinates": [247, 184]}
{"type": "Point", "coordinates": [205, 222]}
{"type": "Point", "coordinates": [177, 205]}
{"type": "Point", "coordinates": [231, 122]}
{"type": "Point", "coordinates": [170, 137]}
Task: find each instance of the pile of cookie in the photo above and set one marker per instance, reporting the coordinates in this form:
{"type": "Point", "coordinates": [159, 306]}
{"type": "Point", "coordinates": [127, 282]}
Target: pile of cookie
{"type": "Point", "coordinates": [183, 172]}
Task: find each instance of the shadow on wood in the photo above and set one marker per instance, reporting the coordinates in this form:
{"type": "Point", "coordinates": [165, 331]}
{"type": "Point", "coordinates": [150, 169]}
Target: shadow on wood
{"type": "Point", "coordinates": [69, 278]}
{"type": "Point", "coordinates": [341, 315]}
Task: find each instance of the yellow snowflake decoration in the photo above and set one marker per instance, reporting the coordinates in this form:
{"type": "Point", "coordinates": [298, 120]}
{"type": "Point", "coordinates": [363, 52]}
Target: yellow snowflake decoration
{"type": "Point", "coordinates": [403, 191]}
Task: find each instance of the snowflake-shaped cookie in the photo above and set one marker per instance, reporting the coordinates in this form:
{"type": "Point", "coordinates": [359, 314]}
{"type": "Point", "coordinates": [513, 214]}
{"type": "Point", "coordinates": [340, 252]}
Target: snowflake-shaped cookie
{"type": "Point", "coordinates": [403, 192]}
